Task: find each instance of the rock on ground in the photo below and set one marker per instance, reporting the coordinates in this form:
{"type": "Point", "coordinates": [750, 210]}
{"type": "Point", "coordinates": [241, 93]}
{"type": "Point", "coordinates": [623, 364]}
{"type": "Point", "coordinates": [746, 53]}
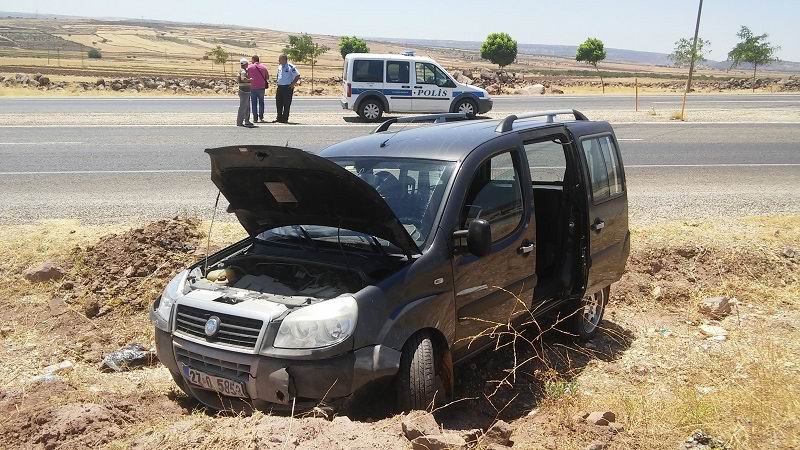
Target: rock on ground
{"type": "Point", "coordinates": [47, 271]}
{"type": "Point", "coordinates": [601, 418]}
{"type": "Point", "coordinates": [716, 307]}
{"type": "Point", "coordinates": [499, 433]}
{"type": "Point", "coordinates": [439, 442]}
{"type": "Point", "coordinates": [419, 423]}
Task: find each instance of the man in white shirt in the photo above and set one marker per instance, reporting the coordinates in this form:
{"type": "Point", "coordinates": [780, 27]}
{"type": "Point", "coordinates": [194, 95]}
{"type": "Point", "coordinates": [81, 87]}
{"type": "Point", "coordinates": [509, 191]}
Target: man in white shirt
{"type": "Point", "coordinates": [287, 78]}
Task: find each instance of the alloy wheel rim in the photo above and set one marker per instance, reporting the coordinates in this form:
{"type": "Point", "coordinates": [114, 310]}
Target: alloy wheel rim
{"type": "Point", "coordinates": [466, 107]}
{"type": "Point", "coordinates": [592, 311]}
{"type": "Point", "coordinates": [371, 111]}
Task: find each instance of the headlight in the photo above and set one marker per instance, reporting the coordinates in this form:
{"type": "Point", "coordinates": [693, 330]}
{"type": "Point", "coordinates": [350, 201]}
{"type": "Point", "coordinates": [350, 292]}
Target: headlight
{"type": "Point", "coordinates": [173, 290]}
{"type": "Point", "coordinates": [321, 325]}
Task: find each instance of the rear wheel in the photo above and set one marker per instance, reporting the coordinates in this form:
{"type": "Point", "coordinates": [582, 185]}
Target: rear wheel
{"type": "Point", "coordinates": [421, 381]}
{"type": "Point", "coordinates": [371, 110]}
{"type": "Point", "coordinates": [468, 107]}
{"type": "Point", "coordinates": [585, 318]}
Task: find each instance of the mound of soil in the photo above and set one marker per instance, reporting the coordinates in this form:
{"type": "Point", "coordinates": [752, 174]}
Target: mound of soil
{"type": "Point", "coordinates": [125, 272]}
{"type": "Point", "coordinates": [675, 273]}
{"type": "Point", "coordinates": [48, 415]}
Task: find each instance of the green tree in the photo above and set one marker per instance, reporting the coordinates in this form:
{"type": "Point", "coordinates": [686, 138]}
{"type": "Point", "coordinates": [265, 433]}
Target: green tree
{"type": "Point", "coordinates": [592, 51]}
{"type": "Point", "coordinates": [352, 44]}
{"type": "Point", "coordinates": [220, 56]}
{"type": "Point", "coordinates": [94, 53]}
{"type": "Point", "coordinates": [303, 49]}
{"type": "Point", "coordinates": [752, 49]}
{"type": "Point", "coordinates": [500, 49]}
{"type": "Point", "coordinates": [682, 55]}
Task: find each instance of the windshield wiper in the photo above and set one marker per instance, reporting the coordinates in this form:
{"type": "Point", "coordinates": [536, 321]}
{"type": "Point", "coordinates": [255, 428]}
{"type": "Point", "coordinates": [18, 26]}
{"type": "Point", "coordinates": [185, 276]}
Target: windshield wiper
{"type": "Point", "coordinates": [305, 234]}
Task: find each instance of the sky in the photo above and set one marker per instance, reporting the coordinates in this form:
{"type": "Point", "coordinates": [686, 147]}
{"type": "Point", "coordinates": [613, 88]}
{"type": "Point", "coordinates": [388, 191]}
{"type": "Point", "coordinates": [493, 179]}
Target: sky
{"type": "Point", "coordinates": [646, 25]}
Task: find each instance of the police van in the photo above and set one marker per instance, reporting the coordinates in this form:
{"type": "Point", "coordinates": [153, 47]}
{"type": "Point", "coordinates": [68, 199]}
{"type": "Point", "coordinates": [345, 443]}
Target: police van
{"type": "Point", "coordinates": [377, 83]}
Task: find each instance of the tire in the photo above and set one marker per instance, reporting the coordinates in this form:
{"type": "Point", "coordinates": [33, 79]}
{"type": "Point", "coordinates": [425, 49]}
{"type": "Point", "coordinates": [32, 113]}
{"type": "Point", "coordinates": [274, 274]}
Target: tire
{"type": "Point", "coordinates": [585, 317]}
{"type": "Point", "coordinates": [420, 381]}
{"type": "Point", "coordinates": [467, 106]}
{"type": "Point", "coordinates": [371, 110]}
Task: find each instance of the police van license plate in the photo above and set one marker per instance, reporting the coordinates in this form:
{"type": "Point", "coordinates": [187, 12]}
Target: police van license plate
{"type": "Point", "coordinates": [224, 386]}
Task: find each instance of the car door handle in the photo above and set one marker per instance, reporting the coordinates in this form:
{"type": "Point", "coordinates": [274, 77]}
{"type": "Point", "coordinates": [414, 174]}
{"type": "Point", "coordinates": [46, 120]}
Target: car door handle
{"type": "Point", "coordinates": [527, 248]}
{"type": "Point", "coordinates": [417, 87]}
{"type": "Point", "coordinates": [598, 225]}
{"type": "Point", "coordinates": [405, 87]}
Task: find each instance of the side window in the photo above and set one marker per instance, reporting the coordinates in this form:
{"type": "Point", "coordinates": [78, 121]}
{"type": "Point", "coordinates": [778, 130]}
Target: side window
{"type": "Point", "coordinates": [368, 71]}
{"type": "Point", "coordinates": [397, 72]}
{"type": "Point", "coordinates": [428, 73]}
{"type": "Point", "coordinates": [546, 161]}
{"type": "Point", "coordinates": [603, 164]}
{"type": "Point", "coordinates": [495, 195]}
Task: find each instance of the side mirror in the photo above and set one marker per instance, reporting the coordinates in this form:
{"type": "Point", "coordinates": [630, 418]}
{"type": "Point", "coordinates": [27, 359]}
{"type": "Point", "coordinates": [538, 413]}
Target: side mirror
{"type": "Point", "coordinates": [479, 237]}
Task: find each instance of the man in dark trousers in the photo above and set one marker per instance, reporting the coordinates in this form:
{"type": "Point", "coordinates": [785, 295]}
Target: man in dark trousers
{"type": "Point", "coordinates": [286, 80]}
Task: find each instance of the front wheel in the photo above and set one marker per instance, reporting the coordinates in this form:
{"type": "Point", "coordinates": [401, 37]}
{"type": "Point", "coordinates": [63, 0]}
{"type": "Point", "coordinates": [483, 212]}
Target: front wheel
{"type": "Point", "coordinates": [468, 107]}
{"type": "Point", "coordinates": [420, 383]}
{"type": "Point", "coordinates": [371, 110]}
{"type": "Point", "coordinates": [584, 320]}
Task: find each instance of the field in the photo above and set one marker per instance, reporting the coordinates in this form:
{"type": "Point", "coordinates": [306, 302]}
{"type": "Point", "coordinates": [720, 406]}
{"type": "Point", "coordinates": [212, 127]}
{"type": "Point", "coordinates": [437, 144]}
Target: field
{"type": "Point", "coordinates": [652, 365]}
{"type": "Point", "coordinates": [58, 48]}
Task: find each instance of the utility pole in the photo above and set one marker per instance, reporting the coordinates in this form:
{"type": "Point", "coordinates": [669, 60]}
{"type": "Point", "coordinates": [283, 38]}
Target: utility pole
{"type": "Point", "coordinates": [691, 64]}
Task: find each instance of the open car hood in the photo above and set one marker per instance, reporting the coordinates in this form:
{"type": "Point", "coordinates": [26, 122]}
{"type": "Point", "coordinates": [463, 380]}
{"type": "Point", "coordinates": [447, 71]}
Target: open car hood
{"type": "Point", "coordinates": [269, 186]}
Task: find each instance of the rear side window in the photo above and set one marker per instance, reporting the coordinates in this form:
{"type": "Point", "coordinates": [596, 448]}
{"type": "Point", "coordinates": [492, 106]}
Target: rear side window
{"type": "Point", "coordinates": [602, 161]}
{"type": "Point", "coordinates": [397, 72]}
{"type": "Point", "coordinates": [495, 195]}
{"type": "Point", "coordinates": [368, 71]}
{"type": "Point", "coordinates": [547, 161]}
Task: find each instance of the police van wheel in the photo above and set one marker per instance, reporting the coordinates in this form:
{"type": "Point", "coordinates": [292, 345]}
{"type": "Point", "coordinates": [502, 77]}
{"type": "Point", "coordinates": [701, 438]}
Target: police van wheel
{"type": "Point", "coordinates": [371, 110]}
{"type": "Point", "coordinates": [467, 106]}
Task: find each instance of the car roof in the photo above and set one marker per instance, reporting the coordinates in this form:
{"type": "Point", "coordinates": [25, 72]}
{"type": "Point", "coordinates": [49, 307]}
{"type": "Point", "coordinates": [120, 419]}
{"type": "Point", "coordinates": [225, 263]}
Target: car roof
{"type": "Point", "coordinates": [451, 141]}
{"type": "Point", "coordinates": [391, 56]}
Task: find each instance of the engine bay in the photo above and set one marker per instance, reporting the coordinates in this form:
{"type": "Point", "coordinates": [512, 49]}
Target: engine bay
{"type": "Point", "coordinates": [284, 277]}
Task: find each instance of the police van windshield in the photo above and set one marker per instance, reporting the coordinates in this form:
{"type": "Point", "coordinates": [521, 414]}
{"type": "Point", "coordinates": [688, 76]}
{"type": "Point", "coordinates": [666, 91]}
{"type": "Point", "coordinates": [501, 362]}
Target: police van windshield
{"type": "Point", "coordinates": [413, 188]}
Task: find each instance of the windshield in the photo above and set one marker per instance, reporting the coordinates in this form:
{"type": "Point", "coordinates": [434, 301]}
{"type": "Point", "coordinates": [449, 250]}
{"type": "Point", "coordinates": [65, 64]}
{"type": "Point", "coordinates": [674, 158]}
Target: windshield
{"type": "Point", "coordinates": [413, 188]}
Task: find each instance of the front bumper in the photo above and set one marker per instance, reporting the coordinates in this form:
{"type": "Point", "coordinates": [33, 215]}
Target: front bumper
{"type": "Point", "coordinates": [271, 381]}
{"type": "Point", "coordinates": [484, 105]}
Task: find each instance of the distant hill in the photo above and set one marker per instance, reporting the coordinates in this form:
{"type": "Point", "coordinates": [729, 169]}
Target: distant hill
{"type": "Point", "coordinates": [568, 51]}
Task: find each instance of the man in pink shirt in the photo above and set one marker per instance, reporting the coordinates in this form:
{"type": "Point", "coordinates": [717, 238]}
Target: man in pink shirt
{"type": "Point", "coordinates": [259, 75]}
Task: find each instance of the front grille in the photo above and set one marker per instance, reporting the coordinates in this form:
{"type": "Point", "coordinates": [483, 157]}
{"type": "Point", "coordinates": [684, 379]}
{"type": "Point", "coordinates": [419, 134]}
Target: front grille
{"type": "Point", "coordinates": [213, 366]}
{"type": "Point", "coordinates": [235, 331]}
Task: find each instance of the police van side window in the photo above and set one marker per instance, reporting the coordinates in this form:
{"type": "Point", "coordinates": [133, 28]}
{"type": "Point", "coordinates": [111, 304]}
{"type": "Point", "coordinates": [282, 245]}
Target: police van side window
{"type": "Point", "coordinates": [397, 72]}
{"type": "Point", "coordinates": [427, 73]}
{"type": "Point", "coordinates": [603, 163]}
{"type": "Point", "coordinates": [368, 71]}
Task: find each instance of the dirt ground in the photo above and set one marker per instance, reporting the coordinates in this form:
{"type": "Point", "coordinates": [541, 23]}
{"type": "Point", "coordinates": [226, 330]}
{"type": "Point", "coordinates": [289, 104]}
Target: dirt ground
{"type": "Point", "coordinates": [651, 364]}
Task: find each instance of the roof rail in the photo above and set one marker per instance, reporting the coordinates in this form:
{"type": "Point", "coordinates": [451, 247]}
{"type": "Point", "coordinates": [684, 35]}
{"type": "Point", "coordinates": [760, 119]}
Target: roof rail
{"type": "Point", "coordinates": [436, 118]}
{"type": "Point", "coordinates": [507, 124]}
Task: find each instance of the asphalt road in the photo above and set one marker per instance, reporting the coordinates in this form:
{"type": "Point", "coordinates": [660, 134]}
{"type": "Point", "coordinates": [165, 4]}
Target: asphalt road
{"type": "Point", "coordinates": [112, 174]}
{"type": "Point", "coordinates": [199, 105]}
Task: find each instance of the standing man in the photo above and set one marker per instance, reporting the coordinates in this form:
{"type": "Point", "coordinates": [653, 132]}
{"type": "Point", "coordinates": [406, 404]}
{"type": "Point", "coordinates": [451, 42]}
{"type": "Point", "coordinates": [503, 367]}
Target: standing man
{"type": "Point", "coordinates": [243, 117]}
{"type": "Point", "coordinates": [287, 78]}
{"type": "Point", "coordinates": [259, 75]}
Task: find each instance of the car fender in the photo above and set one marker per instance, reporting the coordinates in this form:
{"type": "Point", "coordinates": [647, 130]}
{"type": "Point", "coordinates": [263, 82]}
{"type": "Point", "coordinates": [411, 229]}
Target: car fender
{"type": "Point", "coordinates": [370, 93]}
{"type": "Point", "coordinates": [435, 312]}
{"type": "Point", "coordinates": [461, 96]}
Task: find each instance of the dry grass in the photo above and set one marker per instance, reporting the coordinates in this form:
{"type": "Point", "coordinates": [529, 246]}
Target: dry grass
{"type": "Point", "coordinates": [663, 381]}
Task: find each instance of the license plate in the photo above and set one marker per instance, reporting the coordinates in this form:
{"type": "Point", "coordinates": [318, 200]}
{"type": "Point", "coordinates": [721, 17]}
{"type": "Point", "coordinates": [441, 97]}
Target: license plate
{"type": "Point", "coordinates": [224, 386]}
